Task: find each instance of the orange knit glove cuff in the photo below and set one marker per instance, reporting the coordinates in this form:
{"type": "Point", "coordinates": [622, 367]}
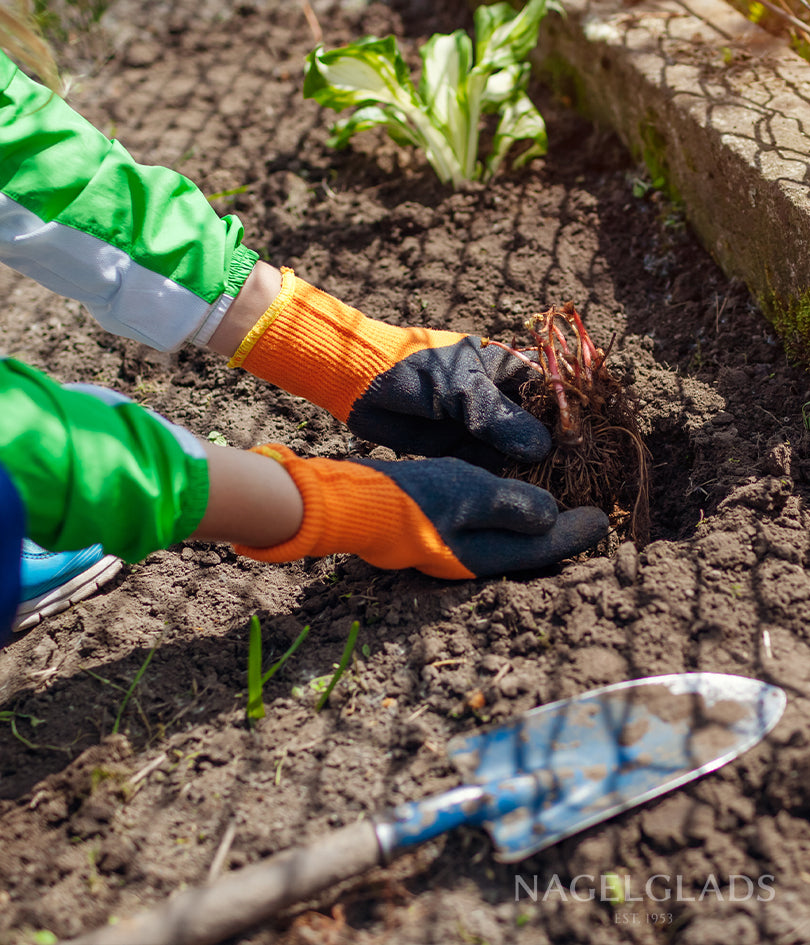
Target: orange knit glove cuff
{"type": "Point", "coordinates": [349, 507]}
{"type": "Point", "coordinates": [313, 345]}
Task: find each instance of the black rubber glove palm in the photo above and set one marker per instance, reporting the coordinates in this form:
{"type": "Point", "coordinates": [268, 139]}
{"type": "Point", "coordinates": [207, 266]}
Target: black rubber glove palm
{"type": "Point", "coordinates": [452, 401]}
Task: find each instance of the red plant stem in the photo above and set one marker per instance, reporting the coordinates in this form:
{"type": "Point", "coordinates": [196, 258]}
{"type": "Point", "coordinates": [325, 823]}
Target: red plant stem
{"type": "Point", "coordinates": [561, 338]}
{"type": "Point", "coordinates": [556, 382]}
{"type": "Point", "coordinates": [577, 374]}
{"type": "Point", "coordinates": [517, 352]}
{"type": "Point", "coordinates": [589, 350]}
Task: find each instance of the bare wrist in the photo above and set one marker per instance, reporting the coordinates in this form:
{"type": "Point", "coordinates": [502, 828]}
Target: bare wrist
{"type": "Point", "coordinates": [256, 296]}
{"type": "Point", "coordinates": [252, 500]}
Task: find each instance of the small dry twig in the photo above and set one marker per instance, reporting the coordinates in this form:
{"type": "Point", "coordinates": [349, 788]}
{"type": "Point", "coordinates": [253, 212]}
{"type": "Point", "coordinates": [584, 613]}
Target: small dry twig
{"type": "Point", "coordinates": [222, 852]}
{"type": "Point", "coordinates": [312, 21]}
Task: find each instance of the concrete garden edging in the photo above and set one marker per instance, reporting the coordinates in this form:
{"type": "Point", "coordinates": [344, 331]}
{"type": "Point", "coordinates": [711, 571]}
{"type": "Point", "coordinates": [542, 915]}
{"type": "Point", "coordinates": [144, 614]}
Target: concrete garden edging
{"type": "Point", "coordinates": [720, 110]}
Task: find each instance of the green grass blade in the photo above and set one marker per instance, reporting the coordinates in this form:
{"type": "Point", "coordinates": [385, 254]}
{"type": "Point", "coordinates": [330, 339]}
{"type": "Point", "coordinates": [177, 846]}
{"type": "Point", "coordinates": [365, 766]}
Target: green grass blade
{"type": "Point", "coordinates": [256, 681]}
{"type": "Point", "coordinates": [344, 662]}
{"type": "Point", "coordinates": [255, 703]}
{"type": "Point", "coordinates": [233, 192]}
{"type": "Point", "coordinates": [132, 687]}
{"type": "Point", "coordinates": [283, 659]}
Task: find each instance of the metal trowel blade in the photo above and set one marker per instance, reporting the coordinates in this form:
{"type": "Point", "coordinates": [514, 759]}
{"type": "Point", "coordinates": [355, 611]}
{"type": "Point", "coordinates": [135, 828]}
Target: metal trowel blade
{"type": "Point", "coordinates": [598, 754]}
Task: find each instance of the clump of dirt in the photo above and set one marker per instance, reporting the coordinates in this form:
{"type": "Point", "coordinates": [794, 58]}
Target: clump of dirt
{"type": "Point", "coordinates": [599, 457]}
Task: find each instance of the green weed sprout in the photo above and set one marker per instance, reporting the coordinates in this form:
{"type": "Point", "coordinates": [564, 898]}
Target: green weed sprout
{"type": "Point", "coordinates": [256, 681]}
{"type": "Point", "coordinates": [345, 659]}
{"type": "Point", "coordinates": [457, 86]}
{"type": "Point", "coordinates": [7, 715]}
{"type": "Point", "coordinates": [128, 694]}
{"type": "Point", "coordinates": [217, 438]}
{"type": "Point", "coordinates": [44, 937]}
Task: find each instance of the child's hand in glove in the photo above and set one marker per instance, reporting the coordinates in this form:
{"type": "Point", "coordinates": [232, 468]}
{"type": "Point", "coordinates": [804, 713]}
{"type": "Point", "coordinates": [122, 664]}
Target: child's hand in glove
{"type": "Point", "coordinates": [416, 390]}
{"type": "Point", "coordinates": [442, 516]}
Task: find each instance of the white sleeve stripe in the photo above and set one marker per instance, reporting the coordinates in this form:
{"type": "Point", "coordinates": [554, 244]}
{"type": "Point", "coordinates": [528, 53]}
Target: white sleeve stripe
{"type": "Point", "coordinates": [126, 298]}
{"type": "Point", "coordinates": [189, 443]}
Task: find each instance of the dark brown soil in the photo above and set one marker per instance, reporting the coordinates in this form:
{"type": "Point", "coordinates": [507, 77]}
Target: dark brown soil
{"type": "Point", "coordinates": [95, 825]}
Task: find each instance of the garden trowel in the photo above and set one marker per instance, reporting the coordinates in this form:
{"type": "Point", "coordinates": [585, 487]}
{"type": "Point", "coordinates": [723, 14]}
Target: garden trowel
{"type": "Point", "coordinates": [545, 775]}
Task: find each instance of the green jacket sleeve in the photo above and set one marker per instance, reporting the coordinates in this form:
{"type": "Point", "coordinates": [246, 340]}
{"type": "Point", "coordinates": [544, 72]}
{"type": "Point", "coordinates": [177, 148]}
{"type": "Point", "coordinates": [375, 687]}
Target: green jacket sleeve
{"type": "Point", "coordinates": [92, 466]}
{"type": "Point", "coordinates": [139, 245]}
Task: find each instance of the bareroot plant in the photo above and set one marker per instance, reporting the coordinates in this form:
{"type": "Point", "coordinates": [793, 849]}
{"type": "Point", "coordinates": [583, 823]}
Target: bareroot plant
{"type": "Point", "coordinates": [443, 114]}
{"type": "Point", "coordinates": [599, 457]}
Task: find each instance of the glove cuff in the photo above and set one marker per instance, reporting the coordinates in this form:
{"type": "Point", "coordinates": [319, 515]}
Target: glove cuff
{"type": "Point", "coordinates": [350, 507]}
{"type": "Point", "coordinates": [315, 346]}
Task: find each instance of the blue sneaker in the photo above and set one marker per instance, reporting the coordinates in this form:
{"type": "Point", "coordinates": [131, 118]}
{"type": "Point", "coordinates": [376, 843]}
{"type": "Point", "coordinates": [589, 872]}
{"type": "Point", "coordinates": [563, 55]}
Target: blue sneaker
{"type": "Point", "coordinates": [53, 580]}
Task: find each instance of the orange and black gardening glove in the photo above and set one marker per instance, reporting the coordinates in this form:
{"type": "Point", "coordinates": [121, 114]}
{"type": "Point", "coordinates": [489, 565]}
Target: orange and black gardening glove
{"type": "Point", "coordinates": [415, 390]}
{"type": "Point", "coordinates": [442, 516]}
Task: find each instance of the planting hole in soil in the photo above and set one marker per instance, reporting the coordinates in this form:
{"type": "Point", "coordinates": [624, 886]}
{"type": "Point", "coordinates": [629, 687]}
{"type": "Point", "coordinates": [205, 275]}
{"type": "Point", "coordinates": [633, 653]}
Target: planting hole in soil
{"type": "Point", "coordinates": [599, 457]}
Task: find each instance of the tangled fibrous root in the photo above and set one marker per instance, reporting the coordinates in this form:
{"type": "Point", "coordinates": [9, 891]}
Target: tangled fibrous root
{"type": "Point", "coordinates": [599, 457]}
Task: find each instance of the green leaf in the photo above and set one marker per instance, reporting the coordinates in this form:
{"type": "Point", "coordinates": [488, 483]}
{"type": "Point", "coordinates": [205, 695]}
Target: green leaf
{"type": "Point", "coordinates": [345, 658]}
{"type": "Point", "coordinates": [285, 655]}
{"type": "Point", "coordinates": [519, 121]}
{"type": "Point", "coordinates": [372, 71]}
{"type": "Point", "coordinates": [255, 704]}
{"type": "Point", "coordinates": [367, 71]}
{"type": "Point", "coordinates": [217, 438]}
{"type": "Point", "coordinates": [372, 116]}
{"type": "Point", "coordinates": [256, 681]}
{"type": "Point", "coordinates": [503, 38]}
{"type": "Point", "coordinates": [502, 86]}
{"type": "Point", "coordinates": [446, 63]}
{"type": "Point", "coordinates": [446, 67]}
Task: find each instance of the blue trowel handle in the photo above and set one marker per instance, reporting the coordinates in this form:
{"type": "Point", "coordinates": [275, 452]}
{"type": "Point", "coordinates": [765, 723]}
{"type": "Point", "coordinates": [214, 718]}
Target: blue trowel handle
{"type": "Point", "coordinates": [471, 804]}
{"type": "Point", "coordinates": [248, 896]}
{"type": "Point", "coordinates": [415, 822]}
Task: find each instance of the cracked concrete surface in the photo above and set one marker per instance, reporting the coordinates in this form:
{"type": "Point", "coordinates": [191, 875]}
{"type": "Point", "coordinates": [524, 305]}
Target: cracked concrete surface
{"type": "Point", "coordinates": [721, 110]}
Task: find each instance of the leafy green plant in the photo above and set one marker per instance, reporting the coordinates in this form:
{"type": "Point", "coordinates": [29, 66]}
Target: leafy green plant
{"type": "Point", "coordinates": [323, 685]}
{"type": "Point", "coordinates": [442, 115]}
